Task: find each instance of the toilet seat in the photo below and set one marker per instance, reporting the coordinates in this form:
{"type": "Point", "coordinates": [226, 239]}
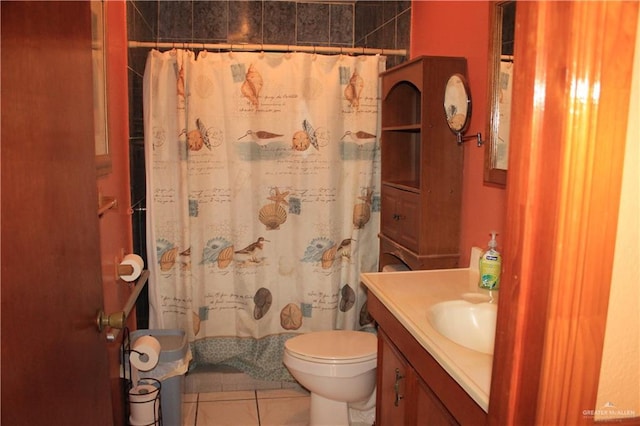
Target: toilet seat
{"type": "Point", "coordinates": [334, 347]}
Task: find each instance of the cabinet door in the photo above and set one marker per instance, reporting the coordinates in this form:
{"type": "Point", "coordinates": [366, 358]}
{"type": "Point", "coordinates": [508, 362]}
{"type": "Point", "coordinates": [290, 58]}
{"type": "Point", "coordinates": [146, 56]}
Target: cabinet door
{"type": "Point", "coordinates": [400, 217]}
{"type": "Point", "coordinates": [392, 385]}
{"type": "Point", "coordinates": [430, 410]}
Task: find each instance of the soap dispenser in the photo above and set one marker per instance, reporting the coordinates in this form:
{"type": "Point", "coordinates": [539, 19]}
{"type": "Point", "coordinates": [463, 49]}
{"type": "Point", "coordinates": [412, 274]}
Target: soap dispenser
{"type": "Point", "coordinates": [490, 266]}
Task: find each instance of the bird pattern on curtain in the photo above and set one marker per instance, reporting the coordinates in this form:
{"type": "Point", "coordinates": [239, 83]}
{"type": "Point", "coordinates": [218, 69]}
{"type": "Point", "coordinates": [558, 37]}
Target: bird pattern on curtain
{"type": "Point", "coordinates": [263, 192]}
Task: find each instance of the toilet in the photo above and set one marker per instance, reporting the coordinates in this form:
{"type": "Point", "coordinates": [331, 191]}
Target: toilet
{"type": "Point", "coordinates": [338, 368]}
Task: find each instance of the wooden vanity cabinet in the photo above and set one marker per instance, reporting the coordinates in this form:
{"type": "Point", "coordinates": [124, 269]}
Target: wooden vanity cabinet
{"type": "Point", "coordinates": [394, 383]}
{"type": "Point", "coordinates": [412, 388]}
{"type": "Point", "coordinates": [405, 399]}
{"type": "Point", "coordinates": [421, 166]}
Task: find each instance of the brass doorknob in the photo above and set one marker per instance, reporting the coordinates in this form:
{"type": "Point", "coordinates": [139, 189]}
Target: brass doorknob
{"type": "Point", "coordinates": [115, 320]}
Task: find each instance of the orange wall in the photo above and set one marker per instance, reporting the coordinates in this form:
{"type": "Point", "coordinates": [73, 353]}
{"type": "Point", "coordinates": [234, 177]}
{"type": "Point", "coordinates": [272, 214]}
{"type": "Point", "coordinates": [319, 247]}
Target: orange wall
{"type": "Point", "coordinates": [462, 29]}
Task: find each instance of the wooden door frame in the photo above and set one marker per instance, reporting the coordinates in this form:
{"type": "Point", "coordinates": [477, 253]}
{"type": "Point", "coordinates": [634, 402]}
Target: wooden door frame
{"type": "Point", "coordinates": [569, 119]}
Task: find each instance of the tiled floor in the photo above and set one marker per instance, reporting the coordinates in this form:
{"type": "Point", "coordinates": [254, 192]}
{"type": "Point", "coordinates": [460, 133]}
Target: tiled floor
{"type": "Point", "coordinates": [218, 395]}
{"type": "Point", "coordinates": [269, 407]}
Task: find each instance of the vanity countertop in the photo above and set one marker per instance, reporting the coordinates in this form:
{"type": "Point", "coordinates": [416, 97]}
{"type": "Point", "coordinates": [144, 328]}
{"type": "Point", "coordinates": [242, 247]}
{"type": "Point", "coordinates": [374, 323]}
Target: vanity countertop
{"type": "Point", "coordinates": [408, 295]}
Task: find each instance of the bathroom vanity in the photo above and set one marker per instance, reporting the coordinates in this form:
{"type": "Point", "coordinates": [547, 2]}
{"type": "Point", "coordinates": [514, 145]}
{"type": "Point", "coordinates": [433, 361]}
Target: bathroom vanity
{"type": "Point", "coordinates": [423, 376]}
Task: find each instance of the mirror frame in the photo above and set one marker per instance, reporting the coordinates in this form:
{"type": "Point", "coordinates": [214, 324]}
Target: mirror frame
{"type": "Point", "coordinates": [464, 85]}
{"type": "Point", "coordinates": [99, 55]}
{"type": "Point", "coordinates": [493, 175]}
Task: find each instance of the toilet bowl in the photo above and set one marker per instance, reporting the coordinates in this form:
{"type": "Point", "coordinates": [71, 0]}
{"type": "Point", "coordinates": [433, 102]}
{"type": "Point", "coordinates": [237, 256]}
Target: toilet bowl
{"type": "Point", "coordinates": [338, 368]}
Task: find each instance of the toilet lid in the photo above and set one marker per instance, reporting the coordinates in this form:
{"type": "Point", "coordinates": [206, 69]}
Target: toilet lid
{"type": "Point", "coordinates": [335, 345]}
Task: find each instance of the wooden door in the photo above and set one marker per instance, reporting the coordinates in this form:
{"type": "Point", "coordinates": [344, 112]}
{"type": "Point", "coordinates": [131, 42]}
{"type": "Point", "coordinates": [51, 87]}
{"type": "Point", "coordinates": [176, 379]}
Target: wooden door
{"type": "Point", "coordinates": [54, 361]}
{"type": "Point", "coordinates": [571, 104]}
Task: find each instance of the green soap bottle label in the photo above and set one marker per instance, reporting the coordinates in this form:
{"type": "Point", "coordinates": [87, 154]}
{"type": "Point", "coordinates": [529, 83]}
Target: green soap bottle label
{"type": "Point", "coordinates": [490, 272]}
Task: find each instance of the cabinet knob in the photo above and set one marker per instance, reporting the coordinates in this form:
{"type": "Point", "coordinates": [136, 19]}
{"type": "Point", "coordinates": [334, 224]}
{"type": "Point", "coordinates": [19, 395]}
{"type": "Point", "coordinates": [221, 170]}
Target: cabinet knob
{"type": "Point", "coordinates": [396, 387]}
{"type": "Point", "coordinates": [397, 216]}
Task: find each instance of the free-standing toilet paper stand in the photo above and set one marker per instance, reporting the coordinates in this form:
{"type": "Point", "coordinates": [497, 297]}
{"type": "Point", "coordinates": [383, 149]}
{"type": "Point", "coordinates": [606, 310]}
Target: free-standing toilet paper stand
{"type": "Point", "coordinates": [142, 406]}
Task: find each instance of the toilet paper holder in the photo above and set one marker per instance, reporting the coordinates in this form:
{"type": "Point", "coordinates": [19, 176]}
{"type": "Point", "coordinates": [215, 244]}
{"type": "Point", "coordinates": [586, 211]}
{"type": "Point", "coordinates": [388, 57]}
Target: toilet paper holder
{"type": "Point", "coordinates": [128, 267]}
{"type": "Point", "coordinates": [137, 406]}
{"type": "Point", "coordinates": [124, 270]}
{"type": "Point", "coordinates": [117, 320]}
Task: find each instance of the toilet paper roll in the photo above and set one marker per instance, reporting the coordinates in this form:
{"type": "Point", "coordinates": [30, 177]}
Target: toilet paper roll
{"type": "Point", "coordinates": [136, 263]}
{"type": "Point", "coordinates": [144, 402]}
{"type": "Point", "coordinates": [145, 353]}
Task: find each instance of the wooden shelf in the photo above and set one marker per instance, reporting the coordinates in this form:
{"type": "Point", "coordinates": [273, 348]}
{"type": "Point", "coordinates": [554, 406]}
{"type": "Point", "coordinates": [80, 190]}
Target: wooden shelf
{"type": "Point", "coordinates": [409, 186]}
{"type": "Point", "coordinates": [421, 166]}
{"type": "Point", "coordinates": [412, 128]}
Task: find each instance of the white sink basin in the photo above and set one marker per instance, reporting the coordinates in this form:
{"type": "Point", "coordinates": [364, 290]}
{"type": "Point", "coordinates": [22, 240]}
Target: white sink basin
{"type": "Point", "coordinates": [472, 325]}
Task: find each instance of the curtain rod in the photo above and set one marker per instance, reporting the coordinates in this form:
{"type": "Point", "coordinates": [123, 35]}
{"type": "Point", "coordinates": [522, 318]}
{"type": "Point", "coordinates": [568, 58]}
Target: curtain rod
{"type": "Point", "coordinates": [269, 48]}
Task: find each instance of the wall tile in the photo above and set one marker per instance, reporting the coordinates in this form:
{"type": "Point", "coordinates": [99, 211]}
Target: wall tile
{"type": "Point", "coordinates": [368, 17]}
{"type": "Point", "coordinates": [148, 11]}
{"type": "Point", "coordinates": [139, 26]}
{"type": "Point", "coordinates": [341, 30]}
{"type": "Point", "coordinates": [136, 117]}
{"type": "Point", "coordinates": [374, 39]}
{"type": "Point", "coordinates": [389, 10]}
{"type": "Point", "coordinates": [279, 23]}
{"type": "Point", "coordinates": [132, 15]}
{"type": "Point", "coordinates": [210, 21]}
{"type": "Point", "coordinates": [313, 22]}
{"type": "Point", "coordinates": [403, 31]}
{"type": "Point", "coordinates": [245, 21]}
{"type": "Point", "coordinates": [270, 22]}
{"type": "Point", "coordinates": [388, 35]}
{"type": "Point", "coordinates": [175, 21]}
{"type": "Point", "coordinates": [138, 185]}
{"type": "Point", "coordinates": [137, 60]}
{"type": "Point", "coordinates": [404, 5]}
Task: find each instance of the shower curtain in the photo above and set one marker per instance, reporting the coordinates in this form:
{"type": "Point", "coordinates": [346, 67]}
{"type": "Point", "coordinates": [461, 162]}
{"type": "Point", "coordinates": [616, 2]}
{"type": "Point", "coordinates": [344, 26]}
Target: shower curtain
{"type": "Point", "coordinates": [263, 198]}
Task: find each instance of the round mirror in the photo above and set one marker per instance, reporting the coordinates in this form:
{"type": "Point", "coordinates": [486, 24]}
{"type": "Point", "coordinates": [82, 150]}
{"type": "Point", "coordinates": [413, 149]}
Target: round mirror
{"type": "Point", "coordinates": [457, 103]}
